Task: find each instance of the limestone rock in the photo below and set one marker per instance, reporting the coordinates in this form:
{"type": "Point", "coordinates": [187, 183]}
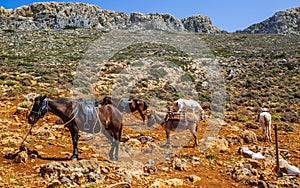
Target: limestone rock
{"type": "Point", "coordinates": [175, 182]}
{"type": "Point", "coordinates": [249, 137]}
{"type": "Point", "coordinates": [179, 164]}
{"type": "Point", "coordinates": [199, 24]}
{"type": "Point", "coordinates": [234, 139]}
{"type": "Point", "coordinates": [21, 157]}
{"type": "Point", "coordinates": [194, 178]}
{"type": "Point", "coordinates": [282, 22]}
{"type": "Point", "coordinates": [51, 15]}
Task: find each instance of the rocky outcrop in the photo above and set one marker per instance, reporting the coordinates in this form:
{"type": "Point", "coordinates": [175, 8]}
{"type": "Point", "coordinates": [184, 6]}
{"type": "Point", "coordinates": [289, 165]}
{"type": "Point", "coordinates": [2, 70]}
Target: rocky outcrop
{"type": "Point", "coordinates": [73, 15]}
{"type": "Point", "coordinates": [199, 24]}
{"type": "Point", "coordinates": [283, 22]}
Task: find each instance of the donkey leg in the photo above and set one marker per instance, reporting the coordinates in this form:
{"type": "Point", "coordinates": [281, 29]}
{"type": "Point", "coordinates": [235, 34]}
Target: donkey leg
{"type": "Point", "coordinates": [263, 133]}
{"type": "Point", "coordinates": [168, 144]}
{"type": "Point", "coordinates": [269, 133]}
{"type": "Point", "coordinates": [142, 115]}
{"type": "Point", "coordinates": [74, 134]}
{"type": "Point", "coordinates": [117, 138]}
{"type": "Point", "coordinates": [196, 143]}
{"type": "Point", "coordinates": [117, 143]}
{"type": "Point", "coordinates": [111, 151]}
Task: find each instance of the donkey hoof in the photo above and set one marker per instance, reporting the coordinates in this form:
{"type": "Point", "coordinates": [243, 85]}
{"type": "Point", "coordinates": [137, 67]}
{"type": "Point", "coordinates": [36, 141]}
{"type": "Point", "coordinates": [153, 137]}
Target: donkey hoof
{"type": "Point", "coordinates": [113, 158]}
{"type": "Point", "coordinates": [74, 157]}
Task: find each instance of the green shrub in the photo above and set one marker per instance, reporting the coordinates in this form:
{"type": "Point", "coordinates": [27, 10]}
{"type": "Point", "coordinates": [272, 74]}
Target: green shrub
{"type": "Point", "coordinates": [211, 156]}
{"type": "Point", "coordinates": [25, 104]}
{"type": "Point", "coordinates": [9, 83]}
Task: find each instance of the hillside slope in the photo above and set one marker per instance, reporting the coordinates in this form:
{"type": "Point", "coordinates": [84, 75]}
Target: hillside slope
{"type": "Point", "coordinates": [258, 71]}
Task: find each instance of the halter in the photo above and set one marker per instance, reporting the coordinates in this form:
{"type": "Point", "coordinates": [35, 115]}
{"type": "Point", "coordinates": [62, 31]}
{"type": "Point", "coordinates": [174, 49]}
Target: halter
{"type": "Point", "coordinates": [42, 109]}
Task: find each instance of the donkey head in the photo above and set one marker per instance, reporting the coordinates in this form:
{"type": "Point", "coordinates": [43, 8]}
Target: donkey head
{"type": "Point", "coordinates": [38, 110]}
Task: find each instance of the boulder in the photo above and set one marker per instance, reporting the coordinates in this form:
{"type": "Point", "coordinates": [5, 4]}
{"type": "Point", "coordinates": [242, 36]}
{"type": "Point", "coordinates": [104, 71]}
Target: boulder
{"type": "Point", "coordinates": [249, 137]}
{"type": "Point", "coordinates": [179, 164]}
{"type": "Point", "coordinates": [21, 157]}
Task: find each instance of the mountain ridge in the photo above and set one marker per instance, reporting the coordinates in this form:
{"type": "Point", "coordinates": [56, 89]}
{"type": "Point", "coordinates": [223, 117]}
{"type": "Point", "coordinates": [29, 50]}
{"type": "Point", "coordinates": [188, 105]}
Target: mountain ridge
{"type": "Point", "coordinates": [50, 15]}
{"type": "Point", "coordinates": [282, 22]}
{"type": "Point", "coordinates": [58, 15]}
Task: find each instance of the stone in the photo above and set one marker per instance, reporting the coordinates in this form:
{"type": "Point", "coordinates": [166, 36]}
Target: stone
{"type": "Point", "coordinates": [234, 139]}
{"type": "Point", "coordinates": [262, 184]}
{"type": "Point", "coordinates": [242, 174]}
{"type": "Point", "coordinates": [150, 169]}
{"type": "Point", "coordinates": [252, 126]}
{"type": "Point", "coordinates": [175, 182]}
{"type": "Point", "coordinates": [249, 137]}
{"type": "Point", "coordinates": [194, 178]}
{"type": "Point", "coordinates": [222, 145]}
{"type": "Point", "coordinates": [133, 142]}
{"type": "Point", "coordinates": [158, 183]}
{"type": "Point", "coordinates": [179, 164]}
{"type": "Point", "coordinates": [21, 157]}
{"type": "Point", "coordinates": [94, 177]}
{"type": "Point", "coordinates": [55, 184]}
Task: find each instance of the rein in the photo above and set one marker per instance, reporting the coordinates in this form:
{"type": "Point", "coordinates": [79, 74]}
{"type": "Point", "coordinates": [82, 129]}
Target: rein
{"type": "Point", "coordinates": [26, 136]}
{"type": "Point", "coordinates": [71, 119]}
{"type": "Point", "coordinates": [43, 108]}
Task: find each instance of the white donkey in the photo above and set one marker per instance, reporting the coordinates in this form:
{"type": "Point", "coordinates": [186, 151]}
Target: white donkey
{"type": "Point", "coordinates": [189, 104]}
{"type": "Point", "coordinates": [265, 122]}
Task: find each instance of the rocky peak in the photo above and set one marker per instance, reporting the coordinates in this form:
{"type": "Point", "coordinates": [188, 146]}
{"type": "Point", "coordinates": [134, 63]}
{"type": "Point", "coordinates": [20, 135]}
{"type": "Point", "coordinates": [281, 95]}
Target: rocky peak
{"type": "Point", "coordinates": [52, 15]}
{"type": "Point", "coordinates": [282, 22]}
{"type": "Point", "coordinates": [4, 12]}
{"type": "Point", "coordinates": [199, 24]}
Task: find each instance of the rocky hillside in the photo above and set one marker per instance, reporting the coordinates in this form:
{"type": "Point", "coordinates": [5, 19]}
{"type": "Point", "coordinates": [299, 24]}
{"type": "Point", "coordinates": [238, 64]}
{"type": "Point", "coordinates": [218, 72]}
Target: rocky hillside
{"type": "Point", "coordinates": [79, 15]}
{"type": "Point", "coordinates": [283, 22]}
{"type": "Point", "coordinates": [258, 70]}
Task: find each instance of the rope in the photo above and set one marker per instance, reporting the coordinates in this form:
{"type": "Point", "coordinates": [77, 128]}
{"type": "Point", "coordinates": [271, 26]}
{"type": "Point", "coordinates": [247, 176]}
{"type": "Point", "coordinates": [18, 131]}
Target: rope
{"type": "Point", "coordinates": [98, 119]}
{"type": "Point", "coordinates": [71, 119]}
{"type": "Point", "coordinates": [26, 136]}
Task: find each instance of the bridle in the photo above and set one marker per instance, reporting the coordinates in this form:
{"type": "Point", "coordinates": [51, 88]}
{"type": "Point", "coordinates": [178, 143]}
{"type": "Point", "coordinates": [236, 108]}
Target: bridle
{"type": "Point", "coordinates": [43, 110]}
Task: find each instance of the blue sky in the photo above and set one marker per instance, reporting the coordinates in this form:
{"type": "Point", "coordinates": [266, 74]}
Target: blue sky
{"type": "Point", "coordinates": [229, 15]}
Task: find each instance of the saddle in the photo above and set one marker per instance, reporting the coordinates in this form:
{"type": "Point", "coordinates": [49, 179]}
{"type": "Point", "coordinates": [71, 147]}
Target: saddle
{"type": "Point", "coordinates": [175, 116]}
{"type": "Point", "coordinates": [88, 109]}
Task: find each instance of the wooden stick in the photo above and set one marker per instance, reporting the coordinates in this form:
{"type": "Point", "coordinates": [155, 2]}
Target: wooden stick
{"type": "Point", "coordinates": [277, 154]}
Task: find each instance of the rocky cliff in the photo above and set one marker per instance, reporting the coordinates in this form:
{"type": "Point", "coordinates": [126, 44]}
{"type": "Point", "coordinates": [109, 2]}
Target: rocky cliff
{"type": "Point", "coordinates": [73, 15]}
{"type": "Point", "coordinates": [283, 22]}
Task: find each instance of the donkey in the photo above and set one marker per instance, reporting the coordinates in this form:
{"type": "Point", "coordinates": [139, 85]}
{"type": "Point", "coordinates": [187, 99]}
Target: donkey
{"type": "Point", "coordinates": [175, 121]}
{"type": "Point", "coordinates": [124, 103]}
{"type": "Point", "coordinates": [265, 121]}
{"type": "Point", "coordinates": [76, 116]}
{"type": "Point", "coordinates": [181, 104]}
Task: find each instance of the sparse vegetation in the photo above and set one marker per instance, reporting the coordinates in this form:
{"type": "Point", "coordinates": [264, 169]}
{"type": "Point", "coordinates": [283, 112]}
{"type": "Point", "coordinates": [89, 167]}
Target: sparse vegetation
{"type": "Point", "coordinates": [264, 73]}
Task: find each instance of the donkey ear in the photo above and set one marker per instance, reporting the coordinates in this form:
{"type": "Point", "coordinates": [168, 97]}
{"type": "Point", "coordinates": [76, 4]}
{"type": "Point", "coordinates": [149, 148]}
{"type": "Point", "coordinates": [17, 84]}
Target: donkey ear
{"type": "Point", "coordinates": [44, 97]}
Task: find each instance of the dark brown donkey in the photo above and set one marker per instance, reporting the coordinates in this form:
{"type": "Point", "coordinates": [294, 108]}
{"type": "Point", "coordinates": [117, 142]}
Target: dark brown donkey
{"type": "Point", "coordinates": [127, 105]}
{"type": "Point", "coordinates": [81, 115]}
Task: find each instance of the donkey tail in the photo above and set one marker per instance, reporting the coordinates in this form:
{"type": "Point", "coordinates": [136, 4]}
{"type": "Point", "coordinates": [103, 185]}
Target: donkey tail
{"type": "Point", "coordinates": [145, 106]}
{"type": "Point", "coordinates": [266, 121]}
